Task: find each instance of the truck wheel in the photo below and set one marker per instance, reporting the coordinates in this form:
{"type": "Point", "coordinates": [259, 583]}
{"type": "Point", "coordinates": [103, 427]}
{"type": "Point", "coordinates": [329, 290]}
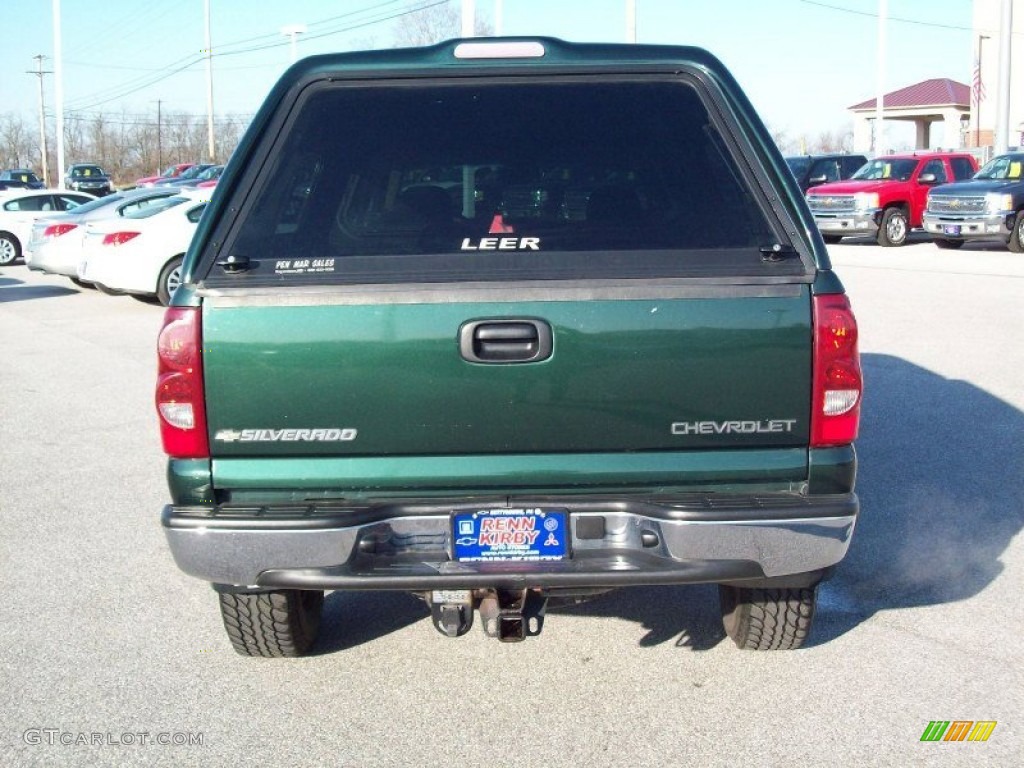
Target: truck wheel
{"type": "Point", "coordinates": [170, 279]}
{"type": "Point", "coordinates": [951, 245]}
{"type": "Point", "coordinates": [10, 249]}
{"type": "Point", "coordinates": [767, 619]}
{"type": "Point", "coordinates": [1016, 241]}
{"type": "Point", "coordinates": [831, 239]}
{"type": "Point", "coordinates": [276, 624]}
{"type": "Point", "coordinates": [894, 228]}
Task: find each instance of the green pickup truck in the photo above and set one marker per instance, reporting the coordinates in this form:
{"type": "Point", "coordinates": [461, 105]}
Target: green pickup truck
{"type": "Point", "coordinates": [500, 321]}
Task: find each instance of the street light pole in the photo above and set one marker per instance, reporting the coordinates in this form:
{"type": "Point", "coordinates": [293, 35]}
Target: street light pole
{"type": "Point", "coordinates": [293, 31]}
{"type": "Point", "coordinates": [209, 84]}
{"type": "Point", "coordinates": [58, 88]}
{"type": "Point", "coordinates": [883, 12]}
{"type": "Point", "coordinates": [1002, 137]}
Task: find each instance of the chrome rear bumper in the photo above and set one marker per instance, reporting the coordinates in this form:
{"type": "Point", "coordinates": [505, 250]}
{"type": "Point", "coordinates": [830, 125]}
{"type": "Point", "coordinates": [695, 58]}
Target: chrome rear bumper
{"type": "Point", "coordinates": [408, 546]}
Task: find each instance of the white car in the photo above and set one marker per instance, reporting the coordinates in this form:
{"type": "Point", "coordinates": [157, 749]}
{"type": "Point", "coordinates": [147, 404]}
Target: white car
{"type": "Point", "coordinates": [141, 253]}
{"type": "Point", "coordinates": [19, 208]}
{"type": "Point", "coordinates": [56, 243]}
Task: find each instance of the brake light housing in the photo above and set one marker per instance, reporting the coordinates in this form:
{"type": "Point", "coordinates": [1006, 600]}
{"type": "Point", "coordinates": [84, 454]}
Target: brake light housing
{"type": "Point", "coordinates": [119, 238]}
{"type": "Point", "coordinates": [56, 230]}
{"type": "Point", "coordinates": [838, 382]}
{"type": "Point", "coordinates": [180, 394]}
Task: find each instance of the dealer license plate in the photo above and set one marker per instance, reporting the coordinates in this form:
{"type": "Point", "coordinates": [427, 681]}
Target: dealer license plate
{"type": "Point", "coordinates": [951, 229]}
{"type": "Point", "coordinates": [500, 535]}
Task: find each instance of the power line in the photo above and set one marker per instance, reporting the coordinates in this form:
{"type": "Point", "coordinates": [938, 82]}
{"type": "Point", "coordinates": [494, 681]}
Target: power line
{"type": "Point", "coordinates": [137, 84]}
{"type": "Point", "coordinates": [890, 18]}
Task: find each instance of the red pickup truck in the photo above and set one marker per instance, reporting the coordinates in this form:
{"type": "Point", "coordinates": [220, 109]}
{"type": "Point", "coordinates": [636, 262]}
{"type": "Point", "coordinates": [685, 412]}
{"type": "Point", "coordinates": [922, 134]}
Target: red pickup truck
{"type": "Point", "coordinates": [885, 198]}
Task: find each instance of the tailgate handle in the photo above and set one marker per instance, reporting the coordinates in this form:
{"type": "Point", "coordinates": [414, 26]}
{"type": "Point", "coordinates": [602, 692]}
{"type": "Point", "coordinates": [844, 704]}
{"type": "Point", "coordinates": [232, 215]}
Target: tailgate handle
{"type": "Point", "coordinates": [505, 340]}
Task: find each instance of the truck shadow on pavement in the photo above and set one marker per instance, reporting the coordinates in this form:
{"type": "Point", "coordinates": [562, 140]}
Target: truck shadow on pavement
{"type": "Point", "coordinates": [351, 619]}
{"type": "Point", "coordinates": [941, 488]}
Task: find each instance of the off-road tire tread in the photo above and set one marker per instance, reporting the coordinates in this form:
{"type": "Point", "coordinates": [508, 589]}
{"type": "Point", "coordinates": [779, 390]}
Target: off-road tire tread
{"type": "Point", "coordinates": [767, 619]}
{"type": "Point", "coordinates": [277, 624]}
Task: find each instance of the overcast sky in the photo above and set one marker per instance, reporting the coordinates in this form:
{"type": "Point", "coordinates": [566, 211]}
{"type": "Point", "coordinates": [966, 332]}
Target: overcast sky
{"type": "Point", "coordinates": [801, 62]}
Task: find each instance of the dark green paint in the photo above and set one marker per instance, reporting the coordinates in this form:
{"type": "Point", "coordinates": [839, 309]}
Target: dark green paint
{"type": "Point", "coordinates": [831, 470]}
{"type": "Point", "coordinates": [191, 482]}
{"type": "Point", "coordinates": [659, 472]}
{"type": "Point", "coordinates": [621, 373]}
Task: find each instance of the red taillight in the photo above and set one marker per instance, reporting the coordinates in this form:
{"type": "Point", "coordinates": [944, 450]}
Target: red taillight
{"type": "Point", "coordinates": [838, 383]}
{"type": "Point", "coordinates": [180, 400]}
{"type": "Point", "coordinates": [56, 230]}
{"type": "Point", "coordinates": [119, 238]}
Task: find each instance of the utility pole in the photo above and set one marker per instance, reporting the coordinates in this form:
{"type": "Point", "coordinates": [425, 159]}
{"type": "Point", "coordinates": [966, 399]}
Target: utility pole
{"type": "Point", "coordinates": [39, 72]}
{"type": "Point", "coordinates": [159, 139]}
{"type": "Point", "coordinates": [209, 84]}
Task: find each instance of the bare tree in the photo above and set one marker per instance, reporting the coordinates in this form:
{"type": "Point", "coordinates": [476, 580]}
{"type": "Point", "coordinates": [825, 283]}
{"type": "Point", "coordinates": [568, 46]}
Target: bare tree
{"type": "Point", "coordinates": [834, 141]}
{"type": "Point", "coordinates": [18, 148]}
{"type": "Point", "coordinates": [76, 144]}
{"type": "Point", "coordinates": [781, 139]}
{"type": "Point", "coordinates": [432, 24]}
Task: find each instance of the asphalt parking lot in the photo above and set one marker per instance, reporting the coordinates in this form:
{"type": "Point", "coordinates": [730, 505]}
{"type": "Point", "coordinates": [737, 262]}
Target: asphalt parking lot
{"type": "Point", "coordinates": [107, 647]}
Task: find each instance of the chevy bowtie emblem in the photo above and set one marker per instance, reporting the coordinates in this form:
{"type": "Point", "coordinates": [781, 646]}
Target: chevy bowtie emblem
{"type": "Point", "coordinates": [954, 203]}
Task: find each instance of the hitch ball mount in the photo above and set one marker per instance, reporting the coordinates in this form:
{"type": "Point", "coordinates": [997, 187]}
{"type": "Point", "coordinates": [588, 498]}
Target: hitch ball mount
{"type": "Point", "coordinates": [511, 615]}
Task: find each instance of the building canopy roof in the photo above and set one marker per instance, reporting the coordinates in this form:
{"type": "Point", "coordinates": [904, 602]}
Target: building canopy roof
{"type": "Point", "coordinates": [940, 91]}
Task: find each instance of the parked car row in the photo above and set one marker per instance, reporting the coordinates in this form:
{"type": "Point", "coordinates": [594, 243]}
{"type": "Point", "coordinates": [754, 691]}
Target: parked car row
{"type": "Point", "coordinates": [941, 193]}
{"type": "Point", "coordinates": [19, 209]}
{"type": "Point", "coordinates": [125, 243]}
{"type": "Point", "coordinates": [91, 178]}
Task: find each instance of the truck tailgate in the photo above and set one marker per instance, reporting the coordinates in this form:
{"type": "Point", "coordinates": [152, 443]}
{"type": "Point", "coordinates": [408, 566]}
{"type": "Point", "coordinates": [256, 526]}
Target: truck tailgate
{"type": "Point", "coordinates": [333, 378]}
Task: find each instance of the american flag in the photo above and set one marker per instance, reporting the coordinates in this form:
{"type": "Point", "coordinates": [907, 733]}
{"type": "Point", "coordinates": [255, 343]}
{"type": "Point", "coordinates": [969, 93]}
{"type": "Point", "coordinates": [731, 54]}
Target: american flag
{"type": "Point", "coordinates": [977, 86]}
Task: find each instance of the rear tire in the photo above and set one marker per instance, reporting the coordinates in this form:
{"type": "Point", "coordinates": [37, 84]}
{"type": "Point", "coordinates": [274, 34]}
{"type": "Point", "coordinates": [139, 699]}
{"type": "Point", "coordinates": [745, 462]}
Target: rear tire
{"type": "Point", "coordinates": [767, 619]}
{"type": "Point", "coordinates": [894, 228]}
{"type": "Point", "coordinates": [1016, 241]}
{"type": "Point", "coordinates": [10, 249]}
{"type": "Point", "coordinates": [831, 239]}
{"type": "Point", "coordinates": [950, 245]}
{"type": "Point", "coordinates": [278, 624]}
{"type": "Point", "coordinates": [170, 279]}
